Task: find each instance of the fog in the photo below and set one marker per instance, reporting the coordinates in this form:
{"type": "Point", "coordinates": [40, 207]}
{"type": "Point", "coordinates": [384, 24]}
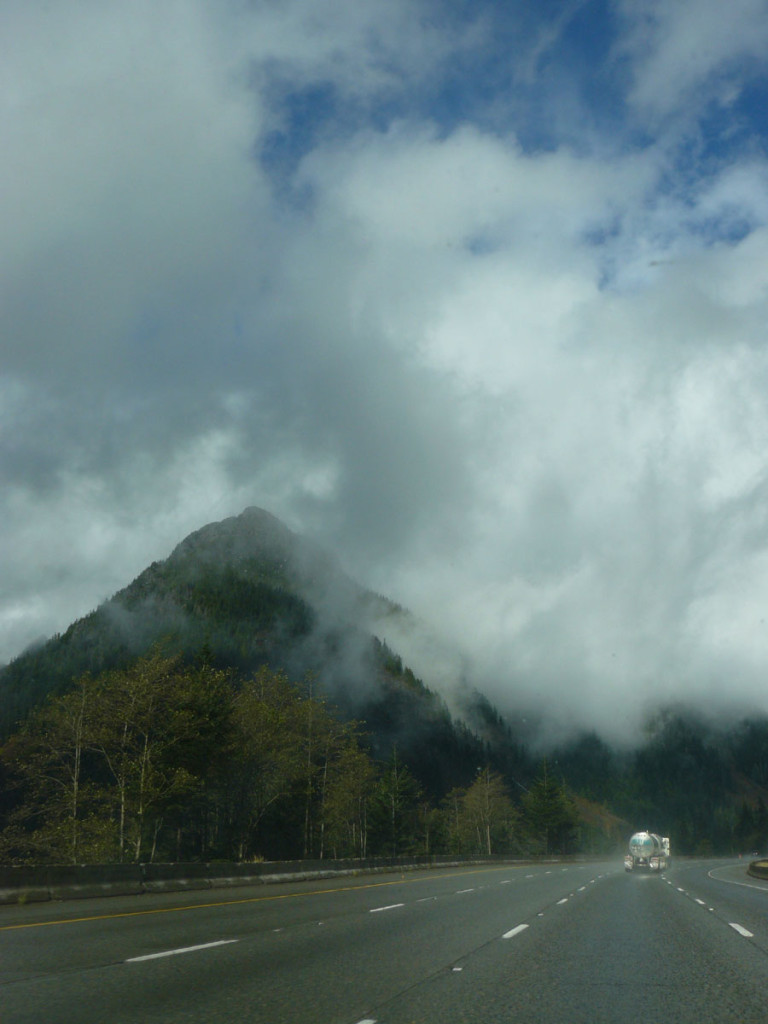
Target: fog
{"type": "Point", "coordinates": [474, 296]}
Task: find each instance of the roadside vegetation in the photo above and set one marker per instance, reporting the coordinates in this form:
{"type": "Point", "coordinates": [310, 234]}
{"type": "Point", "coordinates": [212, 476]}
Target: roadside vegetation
{"type": "Point", "coordinates": [165, 761]}
{"type": "Point", "coordinates": [170, 760]}
{"type": "Point", "coordinates": [235, 702]}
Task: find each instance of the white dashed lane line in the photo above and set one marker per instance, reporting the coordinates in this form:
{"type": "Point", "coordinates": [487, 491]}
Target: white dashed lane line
{"type": "Point", "coordinates": [522, 927]}
{"type": "Point", "coordinates": [739, 928]}
{"type": "Point", "coordinates": [392, 906]}
{"type": "Point", "coordinates": [176, 952]}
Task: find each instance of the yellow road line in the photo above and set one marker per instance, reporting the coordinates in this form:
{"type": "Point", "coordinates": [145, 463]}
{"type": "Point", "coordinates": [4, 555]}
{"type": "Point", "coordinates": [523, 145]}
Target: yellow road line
{"type": "Point", "coordinates": [250, 899]}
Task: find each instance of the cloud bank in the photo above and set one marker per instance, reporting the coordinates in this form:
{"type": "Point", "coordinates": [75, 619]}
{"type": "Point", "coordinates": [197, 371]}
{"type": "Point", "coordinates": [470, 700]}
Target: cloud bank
{"type": "Point", "coordinates": [475, 295]}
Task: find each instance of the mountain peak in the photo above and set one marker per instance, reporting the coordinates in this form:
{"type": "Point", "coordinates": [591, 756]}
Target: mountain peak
{"type": "Point", "coordinates": [253, 533]}
{"type": "Point", "coordinates": [249, 587]}
{"type": "Point", "coordinates": [255, 542]}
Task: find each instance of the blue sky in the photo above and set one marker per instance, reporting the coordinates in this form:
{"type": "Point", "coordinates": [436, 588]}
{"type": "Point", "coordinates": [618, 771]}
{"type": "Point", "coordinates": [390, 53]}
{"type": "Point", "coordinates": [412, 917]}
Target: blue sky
{"type": "Point", "coordinates": [475, 294]}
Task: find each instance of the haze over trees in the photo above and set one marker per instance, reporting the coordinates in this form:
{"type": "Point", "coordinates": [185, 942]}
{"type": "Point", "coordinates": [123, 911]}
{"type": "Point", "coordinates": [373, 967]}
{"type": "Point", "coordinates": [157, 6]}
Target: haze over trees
{"type": "Point", "coordinates": [234, 703]}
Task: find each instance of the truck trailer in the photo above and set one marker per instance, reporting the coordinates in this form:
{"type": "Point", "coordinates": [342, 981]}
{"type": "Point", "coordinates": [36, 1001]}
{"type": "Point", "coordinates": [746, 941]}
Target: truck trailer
{"type": "Point", "coordinates": [647, 852]}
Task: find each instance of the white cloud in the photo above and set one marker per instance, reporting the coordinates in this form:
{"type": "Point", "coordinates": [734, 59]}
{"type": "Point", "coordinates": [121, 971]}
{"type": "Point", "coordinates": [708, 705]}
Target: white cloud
{"type": "Point", "coordinates": [128, 175]}
{"type": "Point", "coordinates": [521, 390]}
{"type": "Point", "coordinates": [684, 52]}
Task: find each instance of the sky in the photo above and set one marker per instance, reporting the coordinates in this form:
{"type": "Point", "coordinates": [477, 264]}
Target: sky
{"type": "Point", "coordinates": [474, 294]}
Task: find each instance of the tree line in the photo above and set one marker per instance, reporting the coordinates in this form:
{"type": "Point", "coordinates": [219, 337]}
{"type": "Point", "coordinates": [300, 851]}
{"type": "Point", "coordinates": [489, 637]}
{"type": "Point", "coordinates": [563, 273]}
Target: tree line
{"type": "Point", "coordinates": [171, 761]}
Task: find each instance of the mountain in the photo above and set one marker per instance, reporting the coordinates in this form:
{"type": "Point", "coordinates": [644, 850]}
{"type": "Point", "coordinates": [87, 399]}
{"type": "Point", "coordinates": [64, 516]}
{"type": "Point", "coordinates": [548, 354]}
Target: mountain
{"type": "Point", "coordinates": [248, 588]}
{"type": "Point", "coordinates": [247, 592]}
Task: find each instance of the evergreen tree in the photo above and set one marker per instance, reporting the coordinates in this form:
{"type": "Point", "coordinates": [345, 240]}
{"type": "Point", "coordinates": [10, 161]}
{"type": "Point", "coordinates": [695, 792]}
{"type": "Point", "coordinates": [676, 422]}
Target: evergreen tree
{"type": "Point", "coordinates": [393, 817]}
{"type": "Point", "coordinates": [549, 816]}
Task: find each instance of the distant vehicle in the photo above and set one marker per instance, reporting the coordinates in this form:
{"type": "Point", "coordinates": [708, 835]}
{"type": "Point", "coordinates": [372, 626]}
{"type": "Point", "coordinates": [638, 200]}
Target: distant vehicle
{"type": "Point", "coordinates": [647, 852]}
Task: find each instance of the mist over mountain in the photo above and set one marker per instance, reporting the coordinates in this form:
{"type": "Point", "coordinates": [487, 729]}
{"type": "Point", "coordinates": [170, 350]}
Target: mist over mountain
{"type": "Point", "coordinates": [473, 294]}
{"type": "Point", "coordinates": [247, 588]}
{"type": "Point", "coordinates": [247, 593]}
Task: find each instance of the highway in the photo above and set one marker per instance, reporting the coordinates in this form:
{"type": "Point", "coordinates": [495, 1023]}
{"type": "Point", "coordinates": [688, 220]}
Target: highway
{"type": "Point", "coordinates": [545, 943]}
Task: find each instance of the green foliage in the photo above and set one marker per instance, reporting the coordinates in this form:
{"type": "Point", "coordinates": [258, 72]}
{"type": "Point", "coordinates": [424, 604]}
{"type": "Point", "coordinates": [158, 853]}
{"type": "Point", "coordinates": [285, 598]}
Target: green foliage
{"type": "Point", "coordinates": [591, 767]}
{"type": "Point", "coordinates": [95, 770]}
{"type": "Point", "coordinates": [49, 764]}
{"type": "Point", "coordinates": [176, 760]}
{"type": "Point", "coordinates": [393, 817]}
{"type": "Point", "coordinates": [481, 819]}
{"type": "Point", "coordinates": [282, 744]}
{"type": "Point", "coordinates": [164, 724]}
{"type": "Point", "coordinates": [751, 829]}
{"type": "Point", "coordinates": [348, 784]}
{"type": "Point", "coordinates": [550, 816]}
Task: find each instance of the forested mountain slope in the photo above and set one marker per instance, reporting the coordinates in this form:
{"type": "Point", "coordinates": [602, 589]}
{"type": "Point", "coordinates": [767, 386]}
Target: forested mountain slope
{"type": "Point", "coordinates": [247, 589]}
{"type": "Point", "coordinates": [247, 596]}
{"type": "Point", "coordinates": [249, 593]}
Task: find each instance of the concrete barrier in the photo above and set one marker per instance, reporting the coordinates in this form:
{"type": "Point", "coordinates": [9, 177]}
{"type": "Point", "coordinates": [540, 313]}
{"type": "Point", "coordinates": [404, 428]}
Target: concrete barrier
{"type": "Point", "coordinates": [86, 881]}
{"type": "Point", "coordinates": [175, 877]}
{"type": "Point", "coordinates": [23, 884]}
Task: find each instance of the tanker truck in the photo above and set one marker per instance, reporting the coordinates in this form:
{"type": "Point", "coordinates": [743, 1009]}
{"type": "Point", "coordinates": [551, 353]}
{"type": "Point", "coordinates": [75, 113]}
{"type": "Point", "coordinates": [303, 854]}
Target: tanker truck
{"type": "Point", "coordinates": [647, 852]}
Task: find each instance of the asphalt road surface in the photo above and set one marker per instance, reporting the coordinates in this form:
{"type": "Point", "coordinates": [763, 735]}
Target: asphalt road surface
{"type": "Point", "coordinates": [546, 943]}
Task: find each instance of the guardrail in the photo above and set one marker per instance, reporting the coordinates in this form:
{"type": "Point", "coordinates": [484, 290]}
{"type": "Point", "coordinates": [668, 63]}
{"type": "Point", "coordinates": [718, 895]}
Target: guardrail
{"type": "Point", "coordinates": [22, 884]}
